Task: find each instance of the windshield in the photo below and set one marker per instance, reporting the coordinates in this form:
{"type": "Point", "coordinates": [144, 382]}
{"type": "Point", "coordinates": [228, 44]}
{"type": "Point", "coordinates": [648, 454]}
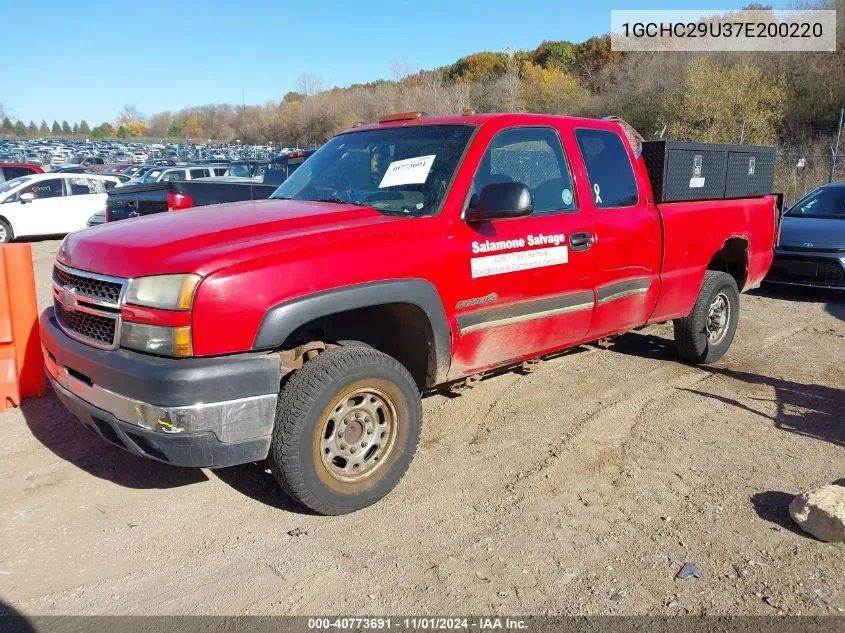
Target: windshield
{"type": "Point", "coordinates": [395, 170]}
{"type": "Point", "coordinates": [151, 176]}
{"type": "Point", "coordinates": [828, 202]}
{"type": "Point", "coordinates": [11, 184]}
{"type": "Point", "coordinates": [242, 170]}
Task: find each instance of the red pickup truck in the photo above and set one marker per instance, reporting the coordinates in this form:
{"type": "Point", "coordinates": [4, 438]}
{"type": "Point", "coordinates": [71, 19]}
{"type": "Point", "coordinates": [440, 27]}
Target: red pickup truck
{"type": "Point", "coordinates": [401, 257]}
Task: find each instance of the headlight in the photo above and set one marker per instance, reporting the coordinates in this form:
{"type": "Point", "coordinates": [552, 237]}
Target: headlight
{"type": "Point", "coordinates": [156, 339]}
{"type": "Point", "coordinates": [170, 292]}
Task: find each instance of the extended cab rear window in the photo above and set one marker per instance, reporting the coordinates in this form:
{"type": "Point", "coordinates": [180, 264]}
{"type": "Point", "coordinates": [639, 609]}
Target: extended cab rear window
{"type": "Point", "coordinates": [612, 182]}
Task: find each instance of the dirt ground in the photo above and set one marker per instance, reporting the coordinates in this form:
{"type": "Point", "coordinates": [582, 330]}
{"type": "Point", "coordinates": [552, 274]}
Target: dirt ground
{"type": "Point", "coordinates": [578, 489]}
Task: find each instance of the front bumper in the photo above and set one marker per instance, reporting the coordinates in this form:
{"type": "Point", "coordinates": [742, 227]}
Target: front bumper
{"type": "Point", "coordinates": [808, 268]}
{"type": "Point", "coordinates": [205, 412]}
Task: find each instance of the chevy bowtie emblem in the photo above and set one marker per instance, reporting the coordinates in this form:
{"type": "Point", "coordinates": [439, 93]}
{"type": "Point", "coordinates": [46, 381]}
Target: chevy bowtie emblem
{"type": "Point", "coordinates": [67, 297]}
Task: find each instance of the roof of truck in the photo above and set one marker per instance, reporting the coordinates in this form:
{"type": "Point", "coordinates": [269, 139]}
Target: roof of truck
{"type": "Point", "coordinates": [414, 119]}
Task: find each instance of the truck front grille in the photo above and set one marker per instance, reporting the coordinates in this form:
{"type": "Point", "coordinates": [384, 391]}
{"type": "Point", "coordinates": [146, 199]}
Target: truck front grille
{"type": "Point", "coordinates": [91, 287]}
{"type": "Point", "coordinates": [89, 327]}
{"type": "Point", "coordinates": [87, 306]}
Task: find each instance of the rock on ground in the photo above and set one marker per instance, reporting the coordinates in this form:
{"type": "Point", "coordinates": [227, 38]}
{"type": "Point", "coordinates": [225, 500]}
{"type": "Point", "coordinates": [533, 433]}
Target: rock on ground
{"type": "Point", "coordinates": [821, 512]}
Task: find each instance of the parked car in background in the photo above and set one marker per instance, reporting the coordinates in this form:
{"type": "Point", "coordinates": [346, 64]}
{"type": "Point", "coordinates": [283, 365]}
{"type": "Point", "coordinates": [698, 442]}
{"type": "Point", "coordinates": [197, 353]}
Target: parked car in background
{"type": "Point", "coordinates": [97, 219]}
{"type": "Point", "coordinates": [8, 171]}
{"type": "Point", "coordinates": [50, 204]}
{"type": "Point", "coordinates": [140, 199]}
{"type": "Point", "coordinates": [811, 251]}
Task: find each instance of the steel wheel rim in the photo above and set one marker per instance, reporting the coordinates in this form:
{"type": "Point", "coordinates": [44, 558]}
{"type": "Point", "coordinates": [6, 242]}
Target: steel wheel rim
{"type": "Point", "coordinates": [358, 434]}
{"type": "Point", "coordinates": [718, 319]}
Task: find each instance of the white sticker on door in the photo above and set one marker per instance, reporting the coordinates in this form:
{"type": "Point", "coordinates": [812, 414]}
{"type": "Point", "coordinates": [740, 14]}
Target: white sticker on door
{"type": "Point", "coordinates": [411, 171]}
{"type": "Point", "coordinates": [521, 260]}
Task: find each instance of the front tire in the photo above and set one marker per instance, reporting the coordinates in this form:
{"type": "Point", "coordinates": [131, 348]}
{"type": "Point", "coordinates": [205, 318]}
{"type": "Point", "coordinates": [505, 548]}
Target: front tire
{"type": "Point", "coordinates": [705, 335]}
{"type": "Point", "coordinates": [6, 233]}
{"type": "Point", "coordinates": [347, 426]}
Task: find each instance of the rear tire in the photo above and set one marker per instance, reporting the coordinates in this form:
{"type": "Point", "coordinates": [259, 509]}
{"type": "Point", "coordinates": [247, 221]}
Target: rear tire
{"type": "Point", "coordinates": [347, 426]}
{"type": "Point", "coordinates": [6, 233]}
{"type": "Point", "coordinates": [706, 334]}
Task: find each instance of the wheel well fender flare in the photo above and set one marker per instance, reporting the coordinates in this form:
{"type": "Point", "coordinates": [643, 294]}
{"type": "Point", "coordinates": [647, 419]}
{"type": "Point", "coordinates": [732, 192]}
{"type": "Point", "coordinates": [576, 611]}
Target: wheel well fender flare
{"type": "Point", "coordinates": [281, 320]}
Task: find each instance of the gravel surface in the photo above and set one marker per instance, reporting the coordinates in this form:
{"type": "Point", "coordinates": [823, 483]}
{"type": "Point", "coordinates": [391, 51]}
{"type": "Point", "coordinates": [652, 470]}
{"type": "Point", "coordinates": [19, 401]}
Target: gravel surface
{"type": "Point", "coordinates": [581, 488]}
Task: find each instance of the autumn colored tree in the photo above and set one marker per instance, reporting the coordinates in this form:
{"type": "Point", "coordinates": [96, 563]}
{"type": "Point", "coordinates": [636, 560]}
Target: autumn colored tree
{"type": "Point", "coordinates": [550, 90]}
{"type": "Point", "coordinates": [136, 129]}
{"type": "Point", "coordinates": [478, 66]}
{"type": "Point", "coordinates": [726, 104]}
{"type": "Point", "coordinates": [192, 127]}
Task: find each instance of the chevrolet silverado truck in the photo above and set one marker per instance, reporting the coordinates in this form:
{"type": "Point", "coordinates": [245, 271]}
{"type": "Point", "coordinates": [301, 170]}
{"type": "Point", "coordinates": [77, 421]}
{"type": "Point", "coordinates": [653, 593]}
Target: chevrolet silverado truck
{"type": "Point", "coordinates": [177, 194]}
{"type": "Point", "coordinates": [402, 257]}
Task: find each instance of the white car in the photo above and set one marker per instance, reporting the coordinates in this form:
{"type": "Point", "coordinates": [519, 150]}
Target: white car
{"type": "Point", "coordinates": [50, 204]}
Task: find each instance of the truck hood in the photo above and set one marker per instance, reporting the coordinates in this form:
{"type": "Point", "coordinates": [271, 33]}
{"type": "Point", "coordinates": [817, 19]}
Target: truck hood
{"type": "Point", "coordinates": [820, 232]}
{"type": "Point", "coordinates": [207, 239]}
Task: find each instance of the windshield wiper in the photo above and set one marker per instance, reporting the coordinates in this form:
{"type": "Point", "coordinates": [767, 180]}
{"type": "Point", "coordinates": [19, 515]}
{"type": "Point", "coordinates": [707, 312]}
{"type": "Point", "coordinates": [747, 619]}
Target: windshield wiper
{"type": "Point", "coordinates": [339, 201]}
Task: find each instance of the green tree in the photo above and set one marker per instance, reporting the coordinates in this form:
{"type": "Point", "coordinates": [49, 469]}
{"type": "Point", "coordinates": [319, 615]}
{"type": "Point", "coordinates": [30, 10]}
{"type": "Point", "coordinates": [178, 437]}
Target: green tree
{"type": "Point", "coordinates": [122, 132]}
{"type": "Point", "coordinates": [84, 129]}
{"type": "Point", "coordinates": [44, 129]}
{"type": "Point", "coordinates": [20, 129]}
{"type": "Point", "coordinates": [175, 130]}
{"type": "Point", "coordinates": [75, 130]}
{"type": "Point", "coordinates": [66, 128]}
{"type": "Point", "coordinates": [99, 132]}
{"type": "Point", "coordinates": [56, 129]}
{"type": "Point", "coordinates": [32, 128]}
{"type": "Point", "coordinates": [550, 53]}
{"type": "Point", "coordinates": [8, 126]}
{"type": "Point", "coordinates": [742, 103]}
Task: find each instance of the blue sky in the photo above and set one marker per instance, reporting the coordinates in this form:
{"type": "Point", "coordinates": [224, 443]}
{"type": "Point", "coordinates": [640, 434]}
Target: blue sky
{"type": "Point", "coordinates": [75, 60]}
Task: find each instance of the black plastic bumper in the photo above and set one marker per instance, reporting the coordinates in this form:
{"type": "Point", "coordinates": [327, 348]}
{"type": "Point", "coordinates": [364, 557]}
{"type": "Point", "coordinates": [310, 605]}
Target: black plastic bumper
{"type": "Point", "coordinates": [163, 381]}
{"type": "Point", "coordinates": [202, 450]}
{"type": "Point", "coordinates": [77, 370]}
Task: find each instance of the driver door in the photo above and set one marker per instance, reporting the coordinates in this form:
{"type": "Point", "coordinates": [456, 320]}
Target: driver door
{"type": "Point", "coordinates": [45, 214]}
{"type": "Point", "coordinates": [529, 280]}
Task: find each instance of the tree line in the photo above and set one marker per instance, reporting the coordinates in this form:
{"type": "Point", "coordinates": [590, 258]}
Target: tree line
{"type": "Point", "coordinates": [789, 99]}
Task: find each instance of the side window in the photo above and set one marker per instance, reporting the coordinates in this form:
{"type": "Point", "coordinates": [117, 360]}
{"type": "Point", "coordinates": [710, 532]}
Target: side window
{"type": "Point", "coordinates": [45, 189]}
{"type": "Point", "coordinates": [79, 187]}
{"type": "Point", "coordinates": [16, 172]}
{"type": "Point", "coordinates": [95, 185]}
{"type": "Point", "coordinates": [534, 157]}
{"type": "Point", "coordinates": [199, 173]}
{"type": "Point", "coordinates": [612, 182]}
{"type": "Point", "coordinates": [174, 175]}
{"type": "Point", "coordinates": [220, 171]}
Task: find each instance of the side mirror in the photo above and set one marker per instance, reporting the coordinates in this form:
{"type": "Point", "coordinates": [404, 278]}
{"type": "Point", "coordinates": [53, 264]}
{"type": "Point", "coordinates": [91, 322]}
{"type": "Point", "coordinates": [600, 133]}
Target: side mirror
{"type": "Point", "coordinates": [499, 201]}
{"type": "Point", "coordinates": [27, 197]}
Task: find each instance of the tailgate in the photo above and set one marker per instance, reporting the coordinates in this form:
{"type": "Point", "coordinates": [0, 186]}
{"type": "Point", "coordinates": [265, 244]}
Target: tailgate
{"type": "Point", "coordinates": [136, 200]}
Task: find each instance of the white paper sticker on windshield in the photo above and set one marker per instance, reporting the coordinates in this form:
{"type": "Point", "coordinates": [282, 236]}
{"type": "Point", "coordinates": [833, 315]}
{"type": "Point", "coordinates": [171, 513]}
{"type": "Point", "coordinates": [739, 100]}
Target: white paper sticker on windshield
{"type": "Point", "coordinates": [411, 171]}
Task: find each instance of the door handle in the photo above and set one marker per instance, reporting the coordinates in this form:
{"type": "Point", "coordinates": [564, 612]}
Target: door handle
{"type": "Point", "coordinates": [580, 241]}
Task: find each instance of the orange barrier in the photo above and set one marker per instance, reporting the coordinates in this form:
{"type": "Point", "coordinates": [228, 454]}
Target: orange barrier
{"type": "Point", "coordinates": [21, 362]}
